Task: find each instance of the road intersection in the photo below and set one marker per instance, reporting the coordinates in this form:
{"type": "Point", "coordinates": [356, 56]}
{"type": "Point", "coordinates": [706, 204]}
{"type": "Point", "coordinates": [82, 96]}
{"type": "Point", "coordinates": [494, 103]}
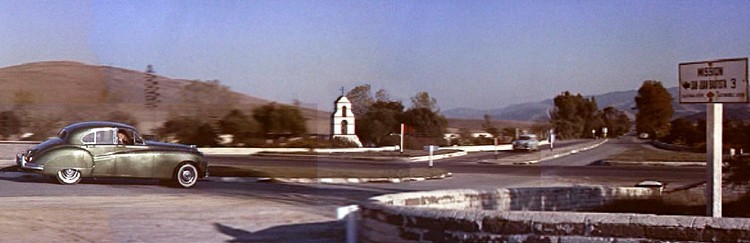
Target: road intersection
{"type": "Point", "coordinates": [219, 210]}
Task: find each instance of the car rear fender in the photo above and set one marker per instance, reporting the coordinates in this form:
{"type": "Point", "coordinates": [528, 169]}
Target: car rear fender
{"type": "Point", "coordinates": [69, 157]}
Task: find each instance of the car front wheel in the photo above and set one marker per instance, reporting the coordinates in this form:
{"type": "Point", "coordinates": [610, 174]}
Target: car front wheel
{"type": "Point", "coordinates": [68, 176]}
{"type": "Point", "coordinates": [186, 175]}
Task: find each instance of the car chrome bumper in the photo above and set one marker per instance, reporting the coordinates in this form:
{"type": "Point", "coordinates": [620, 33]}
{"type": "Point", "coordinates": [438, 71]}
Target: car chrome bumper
{"type": "Point", "coordinates": [522, 147]}
{"type": "Point", "coordinates": [21, 161]}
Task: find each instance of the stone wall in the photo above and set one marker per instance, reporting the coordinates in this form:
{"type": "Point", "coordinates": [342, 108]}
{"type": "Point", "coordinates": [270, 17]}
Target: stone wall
{"type": "Point", "coordinates": [532, 215]}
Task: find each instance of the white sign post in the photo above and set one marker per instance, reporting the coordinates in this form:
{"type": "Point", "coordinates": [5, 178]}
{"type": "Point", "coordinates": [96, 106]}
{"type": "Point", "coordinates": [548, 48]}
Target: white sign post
{"type": "Point", "coordinates": [714, 83]}
{"type": "Point", "coordinates": [431, 149]}
{"type": "Point", "coordinates": [401, 138]}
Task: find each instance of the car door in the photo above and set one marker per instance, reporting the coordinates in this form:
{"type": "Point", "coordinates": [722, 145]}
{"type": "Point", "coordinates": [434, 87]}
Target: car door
{"type": "Point", "coordinates": [133, 157]}
{"type": "Point", "coordinates": [101, 144]}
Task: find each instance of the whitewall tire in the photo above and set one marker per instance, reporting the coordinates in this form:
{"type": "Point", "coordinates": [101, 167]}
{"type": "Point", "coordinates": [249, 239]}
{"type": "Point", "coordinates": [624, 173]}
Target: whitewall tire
{"type": "Point", "coordinates": [186, 175]}
{"type": "Point", "coordinates": [68, 176]}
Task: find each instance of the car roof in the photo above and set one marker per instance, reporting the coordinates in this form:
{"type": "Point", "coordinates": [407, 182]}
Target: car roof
{"type": "Point", "coordinates": [94, 124]}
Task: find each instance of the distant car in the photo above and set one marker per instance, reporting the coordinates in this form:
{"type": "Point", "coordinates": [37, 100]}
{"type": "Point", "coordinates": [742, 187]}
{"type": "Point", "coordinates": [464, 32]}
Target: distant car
{"type": "Point", "coordinates": [109, 149]}
{"type": "Point", "coordinates": [527, 142]}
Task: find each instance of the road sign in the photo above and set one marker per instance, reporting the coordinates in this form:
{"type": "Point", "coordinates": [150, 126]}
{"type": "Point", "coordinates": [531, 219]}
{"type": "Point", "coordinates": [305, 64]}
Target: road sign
{"type": "Point", "coordinates": [430, 148]}
{"type": "Point", "coordinates": [714, 83]}
{"type": "Point", "coordinates": [719, 81]}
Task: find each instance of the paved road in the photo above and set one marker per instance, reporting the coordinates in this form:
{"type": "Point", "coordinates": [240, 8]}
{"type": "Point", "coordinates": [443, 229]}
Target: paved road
{"type": "Point", "coordinates": [142, 210]}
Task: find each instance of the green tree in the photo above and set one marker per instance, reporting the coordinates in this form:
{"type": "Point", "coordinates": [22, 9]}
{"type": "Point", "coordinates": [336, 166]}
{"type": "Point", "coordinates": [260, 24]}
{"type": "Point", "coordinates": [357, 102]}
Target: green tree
{"type": "Point", "coordinates": [189, 130]}
{"type": "Point", "coordinates": [9, 124]}
{"type": "Point", "coordinates": [204, 136]}
{"type": "Point", "coordinates": [361, 98]}
{"type": "Point", "coordinates": [735, 136]}
{"type": "Point", "coordinates": [239, 125]}
{"type": "Point", "coordinates": [592, 116]}
{"type": "Point", "coordinates": [22, 106]}
{"type": "Point", "coordinates": [489, 127]}
{"type": "Point", "coordinates": [292, 120]}
{"type": "Point", "coordinates": [425, 122]}
{"type": "Point", "coordinates": [382, 95]}
{"type": "Point", "coordinates": [683, 131]}
{"type": "Point", "coordinates": [574, 116]}
{"type": "Point", "coordinates": [428, 128]}
{"type": "Point", "coordinates": [423, 100]}
{"type": "Point", "coordinates": [279, 119]}
{"type": "Point", "coordinates": [616, 121]}
{"type": "Point", "coordinates": [381, 120]}
{"type": "Point", "coordinates": [654, 104]}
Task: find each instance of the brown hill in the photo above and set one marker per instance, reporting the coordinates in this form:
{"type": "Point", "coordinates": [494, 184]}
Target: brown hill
{"type": "Point", "coordinates": [63, 92]}
{"type": "Point", "coordinates": [56, 93]}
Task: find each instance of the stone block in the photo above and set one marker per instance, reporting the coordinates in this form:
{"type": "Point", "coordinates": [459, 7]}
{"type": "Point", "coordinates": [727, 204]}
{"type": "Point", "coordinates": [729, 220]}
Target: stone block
{"type": "Point", "coordinates": [411, 234]}
{"type": "Point", "coordinates": [377, 231]}
{"type": "Point", "coordinates": [677, 228]}
{"type": "Point", "coordinates": [501, 224]}
{"type": "Point", "coordinates": [457, 215]}
{"type": "Point", "coordinates": [613, 225]}
{"type": "Point", "coordinates": [553, 223]}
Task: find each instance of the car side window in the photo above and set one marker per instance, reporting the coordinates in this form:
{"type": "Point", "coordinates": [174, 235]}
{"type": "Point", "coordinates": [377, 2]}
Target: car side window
{"type": "Point", "coordinates": [88, 138]}
{"type": "Point", "coordinates": [104, 136]}
{"type": "Point", "coordinates": [129, 137]}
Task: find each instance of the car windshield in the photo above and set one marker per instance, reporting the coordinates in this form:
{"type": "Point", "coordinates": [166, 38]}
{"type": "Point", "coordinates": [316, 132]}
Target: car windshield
{"type": "Point", "coordinates": [525, 137]}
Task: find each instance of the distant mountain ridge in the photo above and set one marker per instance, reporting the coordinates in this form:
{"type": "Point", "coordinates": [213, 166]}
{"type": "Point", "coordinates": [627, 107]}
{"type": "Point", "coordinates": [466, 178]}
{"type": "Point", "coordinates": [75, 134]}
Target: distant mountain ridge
{"type": "Point", "coordinates": [622, 100]}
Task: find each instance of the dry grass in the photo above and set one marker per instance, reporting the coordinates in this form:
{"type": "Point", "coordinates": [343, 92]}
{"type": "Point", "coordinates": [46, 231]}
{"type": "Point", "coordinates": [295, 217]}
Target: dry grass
{"type": "Point", "coordinates": [640, 155]}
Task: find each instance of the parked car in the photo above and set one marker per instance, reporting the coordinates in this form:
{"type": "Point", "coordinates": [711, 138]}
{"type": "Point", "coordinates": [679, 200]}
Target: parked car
{"type": "Point", "coordinates": [527, 142]}
{"type": "Point", "coordinates": [109, 149]}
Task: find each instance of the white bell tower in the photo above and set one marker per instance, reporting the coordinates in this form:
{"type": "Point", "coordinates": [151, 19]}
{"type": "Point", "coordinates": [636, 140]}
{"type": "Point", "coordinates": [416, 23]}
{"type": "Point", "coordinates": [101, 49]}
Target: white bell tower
{"type": "Point", "coordinates": [342, 121]}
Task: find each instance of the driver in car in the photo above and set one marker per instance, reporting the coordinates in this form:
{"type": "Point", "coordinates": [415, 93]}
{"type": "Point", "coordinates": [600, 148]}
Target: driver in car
{"type": "Point", "coordinates": [123, 138]}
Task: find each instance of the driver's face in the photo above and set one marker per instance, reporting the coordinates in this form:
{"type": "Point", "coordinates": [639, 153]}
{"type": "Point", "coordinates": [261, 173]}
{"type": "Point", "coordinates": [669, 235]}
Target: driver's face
{"type": "Point", "coordinates": [121, 136]}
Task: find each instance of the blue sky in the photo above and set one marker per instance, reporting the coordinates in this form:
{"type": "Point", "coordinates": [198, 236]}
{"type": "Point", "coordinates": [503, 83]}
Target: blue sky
{"type": "Point", "coordinates": [480, 54]}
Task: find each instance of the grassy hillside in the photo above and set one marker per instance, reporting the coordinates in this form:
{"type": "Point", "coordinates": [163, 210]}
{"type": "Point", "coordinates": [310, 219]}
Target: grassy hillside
{"type": "Point", "coordinates": [61, 92]}
{"type": "Point", "coordinates": [53, 94]}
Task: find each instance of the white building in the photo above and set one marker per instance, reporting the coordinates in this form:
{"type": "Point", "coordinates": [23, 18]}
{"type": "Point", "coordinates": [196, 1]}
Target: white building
{"type": "Point", "coordinates": [342, 121]}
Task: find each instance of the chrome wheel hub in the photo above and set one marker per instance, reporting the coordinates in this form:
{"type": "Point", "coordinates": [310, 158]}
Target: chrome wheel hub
{"type": "Point", "coordinates": [187, 175]}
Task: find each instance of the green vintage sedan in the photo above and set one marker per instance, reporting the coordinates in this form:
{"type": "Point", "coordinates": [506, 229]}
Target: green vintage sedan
{"type": "Point", "coordinates": [110, 149]}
